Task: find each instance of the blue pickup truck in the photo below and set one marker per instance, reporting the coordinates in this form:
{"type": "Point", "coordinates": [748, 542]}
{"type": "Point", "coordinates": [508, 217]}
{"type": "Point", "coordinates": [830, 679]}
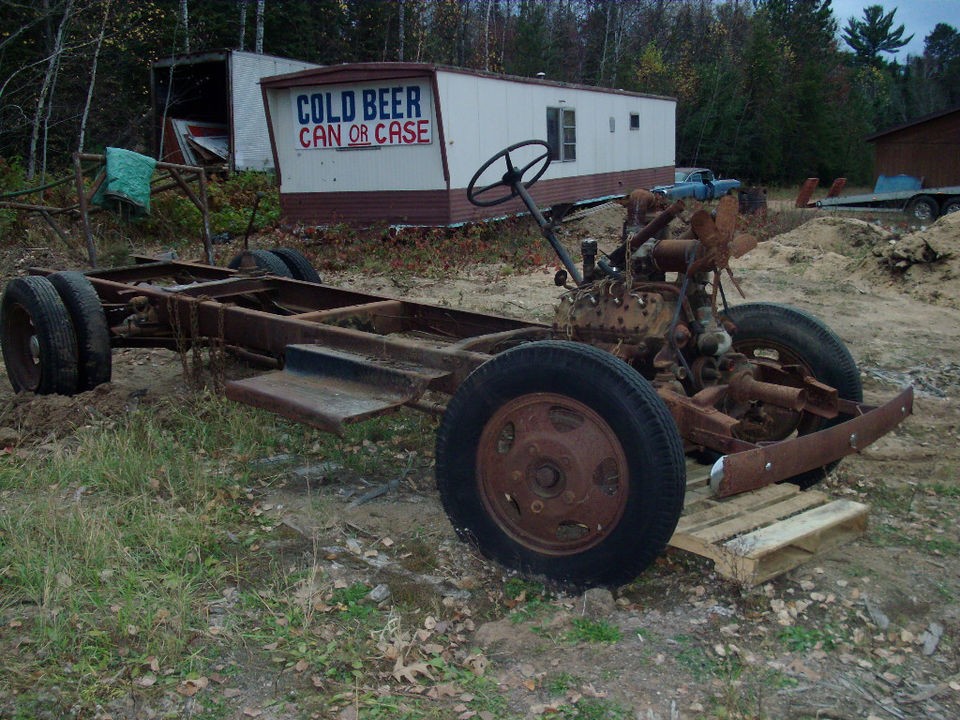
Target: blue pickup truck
{"type": "Point", "coordinates": [697, 183]}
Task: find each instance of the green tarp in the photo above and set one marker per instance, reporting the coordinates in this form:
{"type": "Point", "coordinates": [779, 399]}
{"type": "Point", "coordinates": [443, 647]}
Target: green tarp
{"type": "Point", "coordinates": [126, 188]}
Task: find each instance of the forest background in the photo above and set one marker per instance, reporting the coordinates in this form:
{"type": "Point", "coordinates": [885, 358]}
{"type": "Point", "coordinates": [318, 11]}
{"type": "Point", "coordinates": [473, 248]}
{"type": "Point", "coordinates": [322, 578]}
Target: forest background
{"type": "Point", "coordinates": [768, 90]}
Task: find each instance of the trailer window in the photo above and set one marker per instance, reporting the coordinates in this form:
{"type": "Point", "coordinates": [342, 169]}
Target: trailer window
{"type": "Point", "coordinates": [634, 121]}
{"type": "Point", "coordinates": [562, 134]}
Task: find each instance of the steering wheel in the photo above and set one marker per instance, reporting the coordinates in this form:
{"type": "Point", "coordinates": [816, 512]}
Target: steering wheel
{"type": "Point", "coordinates": [511, 178]}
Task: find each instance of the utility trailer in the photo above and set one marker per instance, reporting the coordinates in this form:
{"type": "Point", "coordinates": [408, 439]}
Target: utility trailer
{"type": "Point", "coordinates": [924, 204]}
{"type": "Point", "coordinates": [561, 449]}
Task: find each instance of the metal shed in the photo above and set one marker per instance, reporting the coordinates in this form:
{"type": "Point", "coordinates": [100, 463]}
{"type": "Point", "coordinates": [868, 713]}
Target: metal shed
{"type": "Point", "coordinates": [399, 142]}
{"type": "Point", "coordinates": [927, 148]}
{"type": "Point", "coordinates": [207, 108]}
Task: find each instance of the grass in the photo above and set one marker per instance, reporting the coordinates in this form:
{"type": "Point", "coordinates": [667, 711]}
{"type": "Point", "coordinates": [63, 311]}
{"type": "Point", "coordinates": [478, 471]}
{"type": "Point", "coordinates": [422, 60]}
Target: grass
{"type": "Point", "coordinates": [117, 552]}
{"type": "Point", "coordinates": [797, 638]}
{"type": "Point", "coordinates": [589, 709]}
{"type": "Point", "coordinates": [592, 631]}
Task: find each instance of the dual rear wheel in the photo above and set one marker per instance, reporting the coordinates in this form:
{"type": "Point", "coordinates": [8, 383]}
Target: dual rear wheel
{"type": "Point", "coordinates": [54, 334]}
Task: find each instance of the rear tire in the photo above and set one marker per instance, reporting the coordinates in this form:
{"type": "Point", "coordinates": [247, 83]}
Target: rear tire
{"type": "Point", "coordinates": [951, 205]}
{"type": "Point", "coordinates": [923, 208]}
{"type": "Point", "coordinates": [558, 459]}
{"type": "Point", "coordinates": [791, 336]}
{"type": "Point", "coordinates": [299, 266]}
{"type": "Point", "coordinates": [265, 260]}
{"type": "Point", "coordinates": [90, 323]}
{"type": "Point", "coordinates": [39, 342]}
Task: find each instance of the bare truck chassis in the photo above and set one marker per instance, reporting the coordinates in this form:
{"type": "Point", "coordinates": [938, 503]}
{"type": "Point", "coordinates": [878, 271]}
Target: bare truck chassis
{"type": "Point", "coordinates": [561, 449]}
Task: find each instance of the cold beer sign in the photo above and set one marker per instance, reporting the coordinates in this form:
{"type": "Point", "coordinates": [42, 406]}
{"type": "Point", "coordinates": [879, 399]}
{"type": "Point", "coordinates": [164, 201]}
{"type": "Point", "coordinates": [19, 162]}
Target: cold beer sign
{"type": "Point", "coordinates": [398, 113]}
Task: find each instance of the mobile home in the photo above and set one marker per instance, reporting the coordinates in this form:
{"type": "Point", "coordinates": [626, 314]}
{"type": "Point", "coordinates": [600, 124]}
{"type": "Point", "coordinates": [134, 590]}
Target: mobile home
{"type": "Point", "coordinates": [399, 142]}
{"type": "Point", "coordinates": [207, 108]}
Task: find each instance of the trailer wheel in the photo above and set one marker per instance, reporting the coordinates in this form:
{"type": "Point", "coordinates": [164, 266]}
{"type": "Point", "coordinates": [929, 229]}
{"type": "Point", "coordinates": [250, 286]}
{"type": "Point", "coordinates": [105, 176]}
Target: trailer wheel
{"type": "Point", "coordinates": [265, 260]}
{"type": "Point", "coordinates": [793, 337]}
{"type": "Point", "coordinates": [297, 264]}
{"type": "Point", "coordinates": [39, 342]}
{"type": "Point", "coordinates": [924, 208]}
{"type": "Point", "coordinates": [558, 459]}
{"type": "Point", "coordinates": [952, 205]}
{"type": "Point", "coordinates": [90, 323]}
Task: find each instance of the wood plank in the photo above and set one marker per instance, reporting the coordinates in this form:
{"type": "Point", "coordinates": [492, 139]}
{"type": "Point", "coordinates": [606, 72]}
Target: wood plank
{"type": "Point", "coordinates": [698, 475]}
{"type": "Point", "coordinates": [758, 535]}
{"type": "Point", "coordinates": [808, 530]}
{"type": "Point", "coordinates": [729, 508]}
{"type": "Point", "coordinates": [760, 517]}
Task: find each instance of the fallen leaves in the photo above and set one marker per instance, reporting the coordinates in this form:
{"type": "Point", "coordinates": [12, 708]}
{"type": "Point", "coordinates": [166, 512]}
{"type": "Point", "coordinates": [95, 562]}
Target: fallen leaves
{"type": "Point", "coordinates": [191, 686]}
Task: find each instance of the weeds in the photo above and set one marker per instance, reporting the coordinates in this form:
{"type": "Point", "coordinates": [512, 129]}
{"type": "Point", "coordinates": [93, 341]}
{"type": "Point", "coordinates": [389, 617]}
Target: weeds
{"type": "Point", "coordinates": [428, 252]}
{"type": "Point", "coordinates": [589, 709]}
{"type": "Point", "coordinates": [592, 631]}
{"type": "Point", "coordinates": [801, 639]}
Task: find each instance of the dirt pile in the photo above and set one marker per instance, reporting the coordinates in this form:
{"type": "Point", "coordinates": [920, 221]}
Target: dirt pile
{"type": "Point", "coordinates": [927, 263]}
{"type": "Point", "coordinates": [824, 248]}
{"type": "Point", "coordinates": [840, 235]}
{"type": "Point", "coordinates": [924, 263]}
{"type": "Point", "coordinates": [140, 377]}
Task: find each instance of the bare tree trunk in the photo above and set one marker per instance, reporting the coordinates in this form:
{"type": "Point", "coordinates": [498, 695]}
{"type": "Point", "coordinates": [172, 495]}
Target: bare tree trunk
{"type": "Point", "coordinates": [93, 76]}
{"type": "Point", "coordinates": [185, 17]}
{"type": "Point", "coordinates": [259, 46]}
{"type": "Point", "coordinates": [48, 81]}
{"type": "Point", "coordinates": [617, 46]}
{"type": "Point", "coordinates": [243, 23]}
{"type": "Point", "coordinates": [402, 30]}
{"type": "Point", "coordinates": [503, 35]}
{"type": "Point", "coordinates": [486, 36]}
{"type": "Point", "coordinates": [606, 36]}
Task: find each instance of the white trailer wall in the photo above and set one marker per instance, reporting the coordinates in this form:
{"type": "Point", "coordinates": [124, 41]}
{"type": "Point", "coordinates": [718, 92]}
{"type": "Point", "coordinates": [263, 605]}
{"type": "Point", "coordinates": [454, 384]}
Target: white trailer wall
{"type": "Point", "coordinates": [345, 164]}
{"type": "Point", "coordinates": [250, 139]}
{"type": "Point", "coordinates": [483, 115]}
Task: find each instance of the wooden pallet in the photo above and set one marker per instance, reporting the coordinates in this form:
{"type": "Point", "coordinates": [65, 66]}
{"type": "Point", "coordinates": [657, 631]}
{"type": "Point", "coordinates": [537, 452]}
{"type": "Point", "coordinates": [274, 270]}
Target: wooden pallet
{"type": "Point", "coordinates": [758, 535]}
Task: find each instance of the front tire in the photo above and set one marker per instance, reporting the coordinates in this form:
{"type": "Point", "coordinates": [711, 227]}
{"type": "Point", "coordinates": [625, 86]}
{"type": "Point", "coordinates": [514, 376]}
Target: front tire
{"type": "Point", "coordinates": [768, 331]}
{"type": "Point", "coordinates": [558, 459]}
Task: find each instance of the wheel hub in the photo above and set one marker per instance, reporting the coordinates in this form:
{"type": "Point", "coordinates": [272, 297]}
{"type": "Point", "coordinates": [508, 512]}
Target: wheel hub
{"type": "Point", "coordinates": [552, 473]}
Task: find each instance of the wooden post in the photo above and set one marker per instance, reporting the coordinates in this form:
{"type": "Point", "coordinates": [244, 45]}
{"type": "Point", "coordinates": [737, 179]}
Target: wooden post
{"type": "Point", "coordinates": [205, 212]}
{"type": "Point", "coordinates": [84, 214]}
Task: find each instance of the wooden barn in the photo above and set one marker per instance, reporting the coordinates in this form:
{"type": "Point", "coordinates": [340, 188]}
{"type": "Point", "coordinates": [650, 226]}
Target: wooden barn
{"type": "Point", "coordinates": [927, 148]}
{"type": "Point", "coordinates": [399, 142]}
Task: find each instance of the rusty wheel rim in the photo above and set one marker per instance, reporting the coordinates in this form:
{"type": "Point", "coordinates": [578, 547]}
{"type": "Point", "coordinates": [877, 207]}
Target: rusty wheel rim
{"type": "Point", "coordinates": [23, 361]}
{"type": "Point", "coordinates": [552, 473]}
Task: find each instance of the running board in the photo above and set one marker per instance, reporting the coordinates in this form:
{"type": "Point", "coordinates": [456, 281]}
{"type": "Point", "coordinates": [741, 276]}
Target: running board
{"type": "Point", "coordinates": [329, 388]}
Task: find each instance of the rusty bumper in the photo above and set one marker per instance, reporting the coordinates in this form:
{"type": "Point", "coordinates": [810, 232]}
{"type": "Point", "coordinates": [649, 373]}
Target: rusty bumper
{"type": "Point", "coordinates": [751, 469]}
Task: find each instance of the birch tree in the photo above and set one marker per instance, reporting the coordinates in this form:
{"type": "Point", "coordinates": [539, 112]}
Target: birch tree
{"type": "Point", "coordinates": [93, 75]}
{"type": "Point", "coordinates": [243, 23]}
{"type": "Point", "coordinates": [259, 44]}
{"type": "Point", "coordinates": [185, 19]}
{"type": "Point", "coordinates": [49, 80]}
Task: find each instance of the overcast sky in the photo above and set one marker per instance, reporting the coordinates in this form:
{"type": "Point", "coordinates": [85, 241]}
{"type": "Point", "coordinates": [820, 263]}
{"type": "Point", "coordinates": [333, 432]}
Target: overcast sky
{"type": "Point", "coordinates": [918, 17]}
